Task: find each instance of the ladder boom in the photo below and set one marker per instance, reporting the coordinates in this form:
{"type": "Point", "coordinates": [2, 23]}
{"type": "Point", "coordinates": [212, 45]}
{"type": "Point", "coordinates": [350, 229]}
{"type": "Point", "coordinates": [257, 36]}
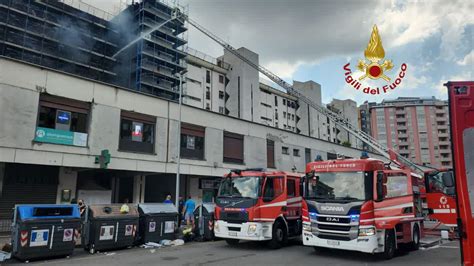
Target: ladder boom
{"type": "Point", "coordinates": [337, 119]}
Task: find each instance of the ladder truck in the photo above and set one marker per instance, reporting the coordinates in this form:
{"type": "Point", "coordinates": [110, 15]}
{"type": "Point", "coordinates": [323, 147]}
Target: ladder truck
{"type": "Point", "coordinates": [414, 173]}
{"type": "Point", "coordinates": [461, 111]}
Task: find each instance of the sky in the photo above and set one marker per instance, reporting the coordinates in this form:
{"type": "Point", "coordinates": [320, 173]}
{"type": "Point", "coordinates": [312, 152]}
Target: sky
{"type": "Point", "coordinates": [313, 40]}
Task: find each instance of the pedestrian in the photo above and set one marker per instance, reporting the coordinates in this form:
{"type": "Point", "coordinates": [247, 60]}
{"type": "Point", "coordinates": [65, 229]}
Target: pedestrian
{"type": "Point", "coordinates": [168, 199]}
{"type": "Point", "coordinates": [188, 211]}
{"type": "Point", "coordinates": [125, 209]}
{"type": "Point", "coordinates": [82, 206]}
{"type": "Point", "coordinates": [180, 210]}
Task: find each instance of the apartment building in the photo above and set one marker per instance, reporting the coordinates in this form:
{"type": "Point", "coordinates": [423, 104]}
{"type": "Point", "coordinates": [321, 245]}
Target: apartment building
{"type": "Point", "coordinates": [417, 128]}
{"type": "Point", "coordinates": [82, 40]}
{"type": "Point", "coordinates": [364, 120]}
{"type": "Point", "coordinates": [347, 109]}
{"type": "Point", "coordinates": [58, 123]}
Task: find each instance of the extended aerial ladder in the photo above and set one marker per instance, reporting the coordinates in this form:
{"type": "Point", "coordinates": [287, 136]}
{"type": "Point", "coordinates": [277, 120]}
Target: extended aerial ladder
{"type": "Point", "coordinates": [391, 155]}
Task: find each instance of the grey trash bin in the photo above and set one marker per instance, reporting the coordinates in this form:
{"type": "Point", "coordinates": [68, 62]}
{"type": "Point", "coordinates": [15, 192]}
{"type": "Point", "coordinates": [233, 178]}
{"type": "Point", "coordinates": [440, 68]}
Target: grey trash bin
{"type": "Point", "coordinates": [158, 221]}
{"type": "Point", "coordinates": [205, 227]}
{"type": "Point", "coordinates": [44, 230]}
{"type": "Point", "coordinates": [106, 228]}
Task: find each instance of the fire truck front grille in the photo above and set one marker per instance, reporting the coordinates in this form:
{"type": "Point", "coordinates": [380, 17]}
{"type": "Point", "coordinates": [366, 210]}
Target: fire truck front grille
{"type": "Point", "coordinates": [234, 217]}
{"type": "Point", "coordinates": [334, 227]}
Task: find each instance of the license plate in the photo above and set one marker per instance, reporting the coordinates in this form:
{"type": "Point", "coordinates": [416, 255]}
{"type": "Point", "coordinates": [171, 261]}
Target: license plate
{"type": "Point", "coordinates": [333, 242]}
{"type": "Point", "coordinates": [233, 233]}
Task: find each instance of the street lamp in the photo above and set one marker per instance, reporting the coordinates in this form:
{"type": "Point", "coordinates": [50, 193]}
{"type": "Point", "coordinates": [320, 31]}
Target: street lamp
{"type": "Point", "coordinates": [178, 146]}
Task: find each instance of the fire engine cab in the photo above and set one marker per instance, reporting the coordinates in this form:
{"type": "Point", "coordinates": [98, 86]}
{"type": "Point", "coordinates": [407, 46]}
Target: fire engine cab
{"type": "Point", "coordinates": [256, 205]}
{"type": "Point", "coordinates": [361, 205]}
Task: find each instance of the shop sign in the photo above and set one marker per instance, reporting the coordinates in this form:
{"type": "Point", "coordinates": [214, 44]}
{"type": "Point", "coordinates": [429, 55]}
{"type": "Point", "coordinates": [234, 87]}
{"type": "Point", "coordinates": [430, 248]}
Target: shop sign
{"type": "Point", "coordinates": [49, 135]}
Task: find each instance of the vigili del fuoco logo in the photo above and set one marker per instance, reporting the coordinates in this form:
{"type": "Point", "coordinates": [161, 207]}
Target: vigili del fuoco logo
{"type": "Point", "coordinates": [374, 68]}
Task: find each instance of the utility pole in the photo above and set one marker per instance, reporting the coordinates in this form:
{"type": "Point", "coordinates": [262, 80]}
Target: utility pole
{"type": "Point", "coordinates": [178, 146]}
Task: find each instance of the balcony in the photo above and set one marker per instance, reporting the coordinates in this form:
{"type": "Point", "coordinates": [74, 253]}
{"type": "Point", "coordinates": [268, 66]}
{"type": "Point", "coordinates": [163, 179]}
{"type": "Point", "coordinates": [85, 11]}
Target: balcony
{"type": "Point", "coordinates": [443, 135]}
{"type": "Point", "coordinates": [442, 126]}
{"type": "Point", "coordinates": [443, 143]}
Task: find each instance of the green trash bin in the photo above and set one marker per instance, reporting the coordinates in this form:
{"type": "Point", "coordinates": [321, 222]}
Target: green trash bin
{"type": "Point", "coordinates": [44, 230]}
{"type": "Point", "coordinates": [106, 228]}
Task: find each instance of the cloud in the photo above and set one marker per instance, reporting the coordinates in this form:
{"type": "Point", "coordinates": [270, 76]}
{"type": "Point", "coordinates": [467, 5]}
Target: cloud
{"type": "Point", "coordinates": [463, 76]}
{"type": "Point", "coordinates": [416, 21]}
{"type": "Point", "coordinates": [467, 60]}
{"type": "Point", "coordinates": [283, 69]}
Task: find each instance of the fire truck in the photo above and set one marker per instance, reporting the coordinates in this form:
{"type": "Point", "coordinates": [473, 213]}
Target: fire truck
{"type": "Point", "coordinates": [367, 205]}
{"type": "Point", "coordinates": [257, 205]}
{"type": "Point", "coordinates": [461, 111]}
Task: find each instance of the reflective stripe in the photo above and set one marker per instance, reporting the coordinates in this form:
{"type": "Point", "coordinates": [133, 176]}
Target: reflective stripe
{"type": "Point", "coordinates": [441, 210]}
{"type": "Point", "coordinates": [276, 204]}
{"type": "Point", "coordinates": [294, 199]}
{"type": "Point", "coordinates": [264, 219]}
{"type": "Point", "coordinates": [396, 206]}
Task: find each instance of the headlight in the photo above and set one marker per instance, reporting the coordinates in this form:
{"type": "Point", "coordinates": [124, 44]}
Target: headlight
{"type": "Point", "coordinates": [216, 226]}
{"type": "Point", "coordinates": [367, 231]}
{"type": "Point", "coordinates": [307, 227]}
{"type": "Point", "coordinates": [252, 228]}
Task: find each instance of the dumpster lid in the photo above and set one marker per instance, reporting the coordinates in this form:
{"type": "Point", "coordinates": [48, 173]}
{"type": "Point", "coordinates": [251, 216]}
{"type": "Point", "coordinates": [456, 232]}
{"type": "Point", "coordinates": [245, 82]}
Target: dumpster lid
{"type": "Point", "coordinates": [209, 206]}
{"type": "Point", "coordinates": [148, 208]}
{"type": "Point", "coordinates": [48, 211]}
{"type": "Point", "coordinates": [112, 210]}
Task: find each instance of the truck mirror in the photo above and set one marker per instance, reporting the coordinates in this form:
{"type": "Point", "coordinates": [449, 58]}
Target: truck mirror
{"type": "Point", "coordinates": [448, 179]}
{"type": "Point", "coordinates": [380, 186]}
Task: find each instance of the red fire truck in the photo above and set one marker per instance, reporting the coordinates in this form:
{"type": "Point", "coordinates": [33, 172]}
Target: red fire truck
{"type": "Point", "coordinates": [361, 205]}
{"type": "Point", "coordinates": [257, 205]}
{"type": "Point", "coordinates": [461, 109]}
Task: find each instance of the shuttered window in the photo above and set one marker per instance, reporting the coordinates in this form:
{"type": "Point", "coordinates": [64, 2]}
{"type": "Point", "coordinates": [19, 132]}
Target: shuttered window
{"type": "Point", "coordinates": [233, 148]}
{"type": "Point", "coordinates": [192, 141]}
{"type": "Point", "coordinates": [270, 153]}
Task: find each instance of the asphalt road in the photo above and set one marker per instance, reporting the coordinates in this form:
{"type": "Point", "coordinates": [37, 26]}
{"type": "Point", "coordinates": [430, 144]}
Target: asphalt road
{"type": "Point", "coordinates": [250, 253]}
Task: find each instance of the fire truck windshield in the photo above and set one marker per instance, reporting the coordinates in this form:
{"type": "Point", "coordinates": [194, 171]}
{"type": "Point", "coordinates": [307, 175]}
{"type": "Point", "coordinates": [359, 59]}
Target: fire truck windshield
{"type": "Point", "coordinates": [240, 187]}
{"type": "Point", "coordinates": [346, 186]}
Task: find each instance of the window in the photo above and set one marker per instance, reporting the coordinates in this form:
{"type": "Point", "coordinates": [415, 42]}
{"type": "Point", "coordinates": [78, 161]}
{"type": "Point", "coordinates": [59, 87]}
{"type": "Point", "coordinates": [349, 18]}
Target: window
{"type": "Point", "coordinates": [296, 152]}
{"type": "Point", "coordinates": [208, 93]}
{"type": "Point", "coordinates": [233, 148]}
{"type": "Point", "coordinates": [273, 188]}
{"type": "Point", "coordinates": [137, 132]}
{"type": "Point", "coordinates": [192, 141]}
{"type": "Point", "coordinates": [57, 115]}
{"type": "Point", "coordinates": [307, 155]}
{"type": "Point", "coordinates": [276, 101]}
{"type": "Point", "coordinates": [221, 109]}
{"type": "Point", "coordinates": [293, 117]}
{"type": "Point", "coordinates": [221, 79]}
{"type": "Point", "coordinates": [397, 185]}
{"type": "Point", "coordinates": [291, 187]}
{"type": "Point", "coordinates": [208, 76]}
{"type": "Point", "coordinates": [284, 114]}
{"type": "Point", "coordinates": [276, 115]}
{"type": "Point", "coordinates": [284, 101]}
{"type": "Point", "coordinates": [285, 150]}
{"type": "Point", "coordinates": [270, 153]}
{"type": "Point", "coordinates": [208, 107]}
{"type": "Point", "coordinates": [221, 95]}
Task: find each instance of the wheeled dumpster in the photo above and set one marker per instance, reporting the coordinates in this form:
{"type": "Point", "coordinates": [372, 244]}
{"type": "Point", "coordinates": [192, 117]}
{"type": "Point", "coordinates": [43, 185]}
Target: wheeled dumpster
{"type": "Point", "coordinates": [107, 228]}
{"type": "Point", "coordinates": [44, 230]}
{"type": "Point", "coordinates": [158, 221]}
{"type": "Point", "coordinates": [204, 220]}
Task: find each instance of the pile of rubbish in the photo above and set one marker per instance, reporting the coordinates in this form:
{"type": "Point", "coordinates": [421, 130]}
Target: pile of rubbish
{"type": "Point", "coordinates": [163, 243]}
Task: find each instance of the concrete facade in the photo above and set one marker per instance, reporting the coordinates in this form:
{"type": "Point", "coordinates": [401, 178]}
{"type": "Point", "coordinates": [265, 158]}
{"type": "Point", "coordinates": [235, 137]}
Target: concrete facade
{"type": "Point", "coordinates": [19, 96]}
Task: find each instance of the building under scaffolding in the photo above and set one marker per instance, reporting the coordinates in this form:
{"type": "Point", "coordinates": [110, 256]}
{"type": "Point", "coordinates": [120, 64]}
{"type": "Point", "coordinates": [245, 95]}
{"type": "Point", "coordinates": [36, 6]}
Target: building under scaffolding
{"type": "Point", "coordinates": [77, 38]}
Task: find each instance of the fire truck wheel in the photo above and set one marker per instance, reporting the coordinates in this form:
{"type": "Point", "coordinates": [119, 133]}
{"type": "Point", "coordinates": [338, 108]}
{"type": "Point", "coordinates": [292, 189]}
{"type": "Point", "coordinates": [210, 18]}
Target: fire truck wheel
{"type": "Point", "coordinates": [415, 245]}
{"type": "Point", "coordinates": [389, 244]}
{"type": "Point", "coordinates": [279, 236]}
{"type": "Point", "coordinates": [232, 242]}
